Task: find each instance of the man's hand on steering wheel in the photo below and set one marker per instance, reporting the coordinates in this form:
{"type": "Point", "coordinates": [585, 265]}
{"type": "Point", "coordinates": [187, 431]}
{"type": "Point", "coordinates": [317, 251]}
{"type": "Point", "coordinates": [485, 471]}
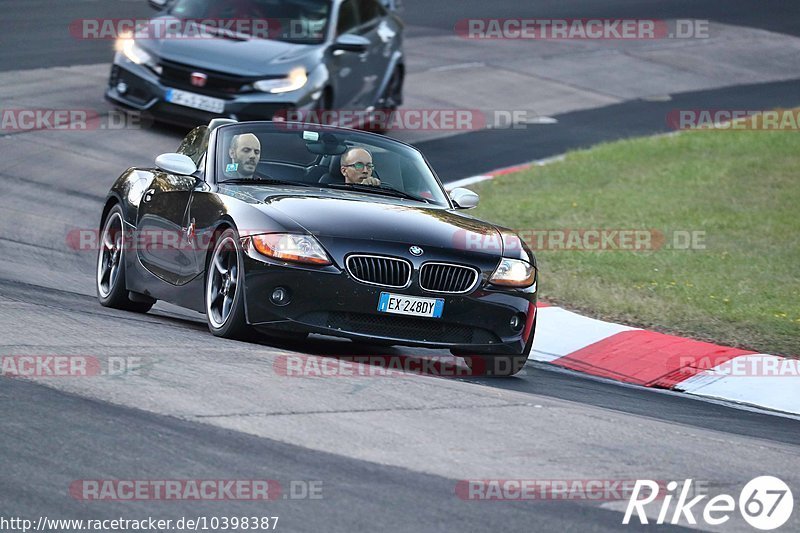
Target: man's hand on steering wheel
{"type": "Point", "coordinates": [371, 181]}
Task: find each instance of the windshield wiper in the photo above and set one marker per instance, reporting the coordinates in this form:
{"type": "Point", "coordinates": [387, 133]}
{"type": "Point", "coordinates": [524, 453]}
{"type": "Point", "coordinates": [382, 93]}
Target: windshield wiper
{"type": "Point", "coordinates": [271, 181]}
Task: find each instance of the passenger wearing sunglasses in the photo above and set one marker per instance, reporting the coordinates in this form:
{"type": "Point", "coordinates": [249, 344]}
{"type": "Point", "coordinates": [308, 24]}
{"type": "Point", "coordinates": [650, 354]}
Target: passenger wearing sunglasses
{"type": "Point", "coordinates": [357, 168]}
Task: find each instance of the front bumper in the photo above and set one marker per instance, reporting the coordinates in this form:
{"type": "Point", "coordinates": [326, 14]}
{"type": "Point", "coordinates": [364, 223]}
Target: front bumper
{"type": "Point", "coordinates": [146, 93]}
{"type": "Point", "coordinates": [329, 301]}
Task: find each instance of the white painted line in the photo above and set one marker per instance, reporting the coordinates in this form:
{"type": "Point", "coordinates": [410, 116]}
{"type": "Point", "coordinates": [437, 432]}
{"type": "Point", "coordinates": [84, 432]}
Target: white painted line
{"type": "Point", "coordinates": [491, 175]}
{"type": "Point", "coordinates": [657, 98]}
{"type": "Point", "coordinates": [466, 181]}
{"type": "Point", "coordinates": [540, 120]}
{"type": "Point", "coordinates": [457, 66]}
{"type": "Point", "coordinates": [548, 160]}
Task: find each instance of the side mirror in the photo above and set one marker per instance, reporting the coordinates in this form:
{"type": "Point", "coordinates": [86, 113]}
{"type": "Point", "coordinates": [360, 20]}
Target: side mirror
{"type": "Point", "coordinates": [464, 198]}
{"type": "Point", "coordinates": [351, 43]}
{"type": "Point", "coordinates": [176, 164]}
{"type": "Point", "coordinates": [158, 4]}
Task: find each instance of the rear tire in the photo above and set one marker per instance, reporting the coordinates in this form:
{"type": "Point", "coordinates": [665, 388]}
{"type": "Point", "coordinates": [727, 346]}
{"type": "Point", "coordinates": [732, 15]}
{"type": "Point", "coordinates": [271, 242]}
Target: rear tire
{"type": "Point", "coordinates": [224, 294]}
{"type": "Point", "coordinates": [112, 290]}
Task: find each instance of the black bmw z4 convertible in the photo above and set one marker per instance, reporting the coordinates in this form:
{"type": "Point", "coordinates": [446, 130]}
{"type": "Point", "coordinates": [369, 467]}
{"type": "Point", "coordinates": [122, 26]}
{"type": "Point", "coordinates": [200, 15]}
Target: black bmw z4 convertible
{"type": "Point", "coordinates": [260, 226]}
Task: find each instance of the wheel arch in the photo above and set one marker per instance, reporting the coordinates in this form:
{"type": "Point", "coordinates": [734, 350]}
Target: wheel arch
{"type": "Point", "coordinates": [111, 201]}
{"type": "Point", "coordinates": [226, 222]}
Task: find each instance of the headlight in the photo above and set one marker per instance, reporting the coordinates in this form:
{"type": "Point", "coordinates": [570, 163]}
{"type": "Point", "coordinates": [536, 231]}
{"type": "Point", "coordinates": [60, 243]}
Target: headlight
{"type": "Point", "coordinates": [291, 247]}
{"type": "Point", "coordinates": [513, 273]}
{"type": "Point", "coordinates": [126, 45]}
{"type": "Point", "coordinates": [132, 51]}
{"type": "Point", "coordinates": [296, 79]}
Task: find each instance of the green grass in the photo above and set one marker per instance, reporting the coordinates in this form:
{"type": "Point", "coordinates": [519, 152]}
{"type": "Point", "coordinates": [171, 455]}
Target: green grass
{"type": "Point", "coordinates": [742, 188]}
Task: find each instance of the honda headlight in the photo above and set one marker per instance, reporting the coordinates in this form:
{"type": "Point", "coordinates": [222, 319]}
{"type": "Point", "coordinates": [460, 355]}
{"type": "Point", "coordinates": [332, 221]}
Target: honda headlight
{"type": "Point", "coordinates": [295, 80]}
{"type": "Point", "coordinates": [513, 273]}
{"type": "Point", "coordinates": [291, 247]}
{"type": "Point", "coordinates": [127, 46]}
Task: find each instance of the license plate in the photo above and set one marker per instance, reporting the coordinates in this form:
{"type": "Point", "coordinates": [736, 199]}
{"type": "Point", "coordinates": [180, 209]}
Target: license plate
{"type": "Point", "coordinates": [196, 101]}
{"type": "Point", "coordinates": [410, 305]}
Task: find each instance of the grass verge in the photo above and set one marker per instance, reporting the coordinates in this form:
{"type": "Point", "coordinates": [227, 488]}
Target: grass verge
{"type": "Point", "coordinates": [736, 192]}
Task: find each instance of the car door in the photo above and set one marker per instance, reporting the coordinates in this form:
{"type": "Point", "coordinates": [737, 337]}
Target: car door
{"type": "Point", "coordinates": [349, 68]}
{"type": "Point", "coordinates": [381, 37]}
{"type": "Point", "coordinates": [163, 243]}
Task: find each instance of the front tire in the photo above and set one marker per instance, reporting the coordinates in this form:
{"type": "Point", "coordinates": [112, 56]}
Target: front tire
{"type": "Point", "coordinates": [110, 275]}
{"type": "Point", "coordinates": [224, 294]}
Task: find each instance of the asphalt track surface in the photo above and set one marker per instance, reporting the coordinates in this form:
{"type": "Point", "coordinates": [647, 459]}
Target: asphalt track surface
{"type": "Point", "coordinates": [388, 451]}
{"type": "Point", "coordinates": [456, 157]}
{"type": "Point", "coordinates": [37, 30]}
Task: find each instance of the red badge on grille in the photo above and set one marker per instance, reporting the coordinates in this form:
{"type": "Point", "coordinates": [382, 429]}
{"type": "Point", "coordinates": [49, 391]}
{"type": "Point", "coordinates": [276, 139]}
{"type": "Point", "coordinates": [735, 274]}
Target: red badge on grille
{"type": "Point", "coordinates": [199, 79]}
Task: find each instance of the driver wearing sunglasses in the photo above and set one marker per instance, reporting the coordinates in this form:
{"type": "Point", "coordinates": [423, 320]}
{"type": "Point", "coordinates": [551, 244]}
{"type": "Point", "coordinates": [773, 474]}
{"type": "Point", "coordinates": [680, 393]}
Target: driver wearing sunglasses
{"type": "Point", "coordinates": [357, 167]}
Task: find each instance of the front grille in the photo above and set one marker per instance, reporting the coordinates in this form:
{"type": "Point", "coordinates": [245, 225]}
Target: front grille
{"type": "Point", "coordinates": [401, 328]}
{"type": "Point", "coordinates": [179, 76]}
{"type": "Point", "coordinates": [442, 277]}
{"type": "Point", "coordinates": [377, 270]}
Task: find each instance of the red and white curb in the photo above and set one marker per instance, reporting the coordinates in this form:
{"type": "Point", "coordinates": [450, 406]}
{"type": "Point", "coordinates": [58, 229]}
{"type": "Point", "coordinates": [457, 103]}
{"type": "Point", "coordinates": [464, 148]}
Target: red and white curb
{"type": "Point", "coordinates": [465, 182]}
{"type": "Point", "coordinates": [651, 359]}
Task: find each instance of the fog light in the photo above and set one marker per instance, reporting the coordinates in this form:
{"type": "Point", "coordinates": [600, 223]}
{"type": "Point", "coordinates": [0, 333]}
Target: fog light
{"type": "Point", "coordinates": [280, 296]}
{"type": "Point", "coordinates": [122, 87]}
{"type": "Point", "coordinates": [517, 322]}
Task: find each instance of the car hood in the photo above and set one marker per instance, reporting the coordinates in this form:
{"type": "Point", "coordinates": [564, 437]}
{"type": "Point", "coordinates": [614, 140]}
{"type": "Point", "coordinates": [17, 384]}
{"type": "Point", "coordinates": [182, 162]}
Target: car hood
{"type": "Point", "coordinates": [345, 215]}
{"type": "Point", "coordinates": [250, 57]}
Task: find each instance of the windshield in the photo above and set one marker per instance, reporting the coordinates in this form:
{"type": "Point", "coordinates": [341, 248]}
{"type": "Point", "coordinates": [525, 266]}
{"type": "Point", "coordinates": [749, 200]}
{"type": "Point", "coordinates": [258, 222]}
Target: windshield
{"type": "Point", "coordinates": [299, 21]}
{"type": "Point", "coordinates": [318, 156]}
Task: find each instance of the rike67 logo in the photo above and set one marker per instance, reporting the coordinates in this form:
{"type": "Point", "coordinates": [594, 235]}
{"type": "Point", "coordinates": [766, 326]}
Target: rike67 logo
{"type": "Point", "coordinates": [766, 503]}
